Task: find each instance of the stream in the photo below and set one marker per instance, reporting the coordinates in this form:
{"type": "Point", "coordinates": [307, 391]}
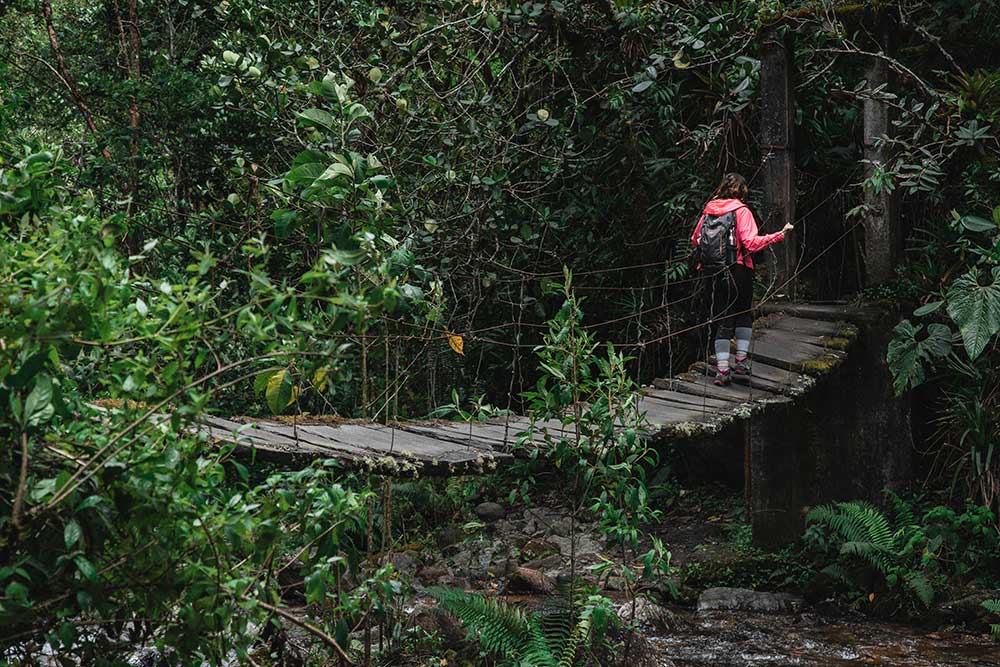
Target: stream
{"type": "Point", "coordinates": [727, 639]}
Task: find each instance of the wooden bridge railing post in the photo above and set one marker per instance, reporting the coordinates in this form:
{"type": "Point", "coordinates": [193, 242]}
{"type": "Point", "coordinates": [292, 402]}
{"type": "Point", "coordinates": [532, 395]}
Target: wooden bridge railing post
{"type": "Point", "coordinates": [882, 236]}
{"type": "Point", "coordinates": [778, 145]}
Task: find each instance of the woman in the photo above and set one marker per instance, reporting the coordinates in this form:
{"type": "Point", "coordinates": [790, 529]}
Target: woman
{"type": "Point", "coordinates": [732, 286]}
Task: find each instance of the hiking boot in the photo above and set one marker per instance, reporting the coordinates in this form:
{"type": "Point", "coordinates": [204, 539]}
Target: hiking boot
{"type": "Point", "coordinates": [741, 367]}
{"type": "Point", "coordinates": [723, 378]}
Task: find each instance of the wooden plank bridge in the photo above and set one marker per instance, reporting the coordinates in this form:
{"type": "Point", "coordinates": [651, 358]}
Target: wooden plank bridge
{"type": "Point", "coordinates": [792, 345]}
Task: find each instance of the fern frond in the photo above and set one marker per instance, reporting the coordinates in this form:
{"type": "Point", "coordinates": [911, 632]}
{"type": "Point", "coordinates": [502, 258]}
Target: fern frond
{"type": "Point", "coordinates": [993, 606]}
{"type": "Point", "coordinates": [501, 629]}
{"type": "Point", "coordinates": [902, 510]}
{"type": "Point", "coordinates": [840, 573]}
{"type": "Point", "coordinates": [538, 652]}
{"type": "Point", "coordinates": [920, 586]}
{"type": "Point", "coordinates": [877, 557]}
{"type": "Point", "coordinates": [576, 641]}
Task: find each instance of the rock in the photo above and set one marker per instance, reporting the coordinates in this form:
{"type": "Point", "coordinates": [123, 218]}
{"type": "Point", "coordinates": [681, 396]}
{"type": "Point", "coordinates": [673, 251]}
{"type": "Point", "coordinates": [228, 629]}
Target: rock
{"type": "Point", "coordinates": [586, 545]}
{"type": "Point", "coordinates": [405, 562]}
{"type": "Point", "coordinates": [648, 615]}
{"type": "Point", "coordinates": [538, 548]}
{"type": "Point", "coordinates": [563, 526]}
{"type": "Point", "coordinates": [490, 512]}
{"type": "Point", "coordinates": [435, 621]}
{"type": "Point", "coordinates": [644, 653]}
{"type": "Point", "coordinates": [522, 580]}
{"type": "Point", "coordinates": [449, 535]}
{"type": "Point", "coordinates": [742, 599]}
{"type": "Point", "coordinates": [546, 564]}
{"type": "Point", "coordinates": [969, 610]}
{"type": "Point", "coordinates": [480, 560]}
{"type": "Point", "coordinates": [434, 574]}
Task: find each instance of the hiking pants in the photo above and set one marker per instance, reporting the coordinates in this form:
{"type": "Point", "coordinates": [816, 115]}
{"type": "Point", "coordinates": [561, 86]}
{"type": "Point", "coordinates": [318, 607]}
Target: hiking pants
{"type": "Point", "coordinates": [731, 301]}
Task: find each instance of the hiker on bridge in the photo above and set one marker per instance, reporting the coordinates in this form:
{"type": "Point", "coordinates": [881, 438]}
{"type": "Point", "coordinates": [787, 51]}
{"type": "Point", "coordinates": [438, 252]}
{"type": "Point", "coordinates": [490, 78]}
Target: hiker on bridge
{"type": "Point", "coordinates": [725, 239]}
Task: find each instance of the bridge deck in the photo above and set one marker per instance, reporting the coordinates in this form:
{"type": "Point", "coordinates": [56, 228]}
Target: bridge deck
{"type": "Point", "coordinates": [791, 346]}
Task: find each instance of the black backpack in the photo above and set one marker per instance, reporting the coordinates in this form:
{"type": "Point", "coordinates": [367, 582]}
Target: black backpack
{"type": "Point", "coordinates": [717, 242]}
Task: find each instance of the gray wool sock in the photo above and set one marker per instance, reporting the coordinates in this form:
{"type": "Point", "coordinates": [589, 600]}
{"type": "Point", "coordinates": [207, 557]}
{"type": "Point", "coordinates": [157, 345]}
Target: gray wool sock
{"type": "Point", "coordinates": [722, 354]}
{"type": "Point", "coordinates": [743, 335]}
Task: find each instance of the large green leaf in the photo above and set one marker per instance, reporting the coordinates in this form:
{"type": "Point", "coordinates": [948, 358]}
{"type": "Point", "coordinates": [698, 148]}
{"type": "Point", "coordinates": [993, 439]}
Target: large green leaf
{"type": "Point", "coordinates": [975, 308]}
{"type": "Point", "coordinates": [907, 355]}
{"type": "Point", "coordinates": [336, 170]}
{"type": "Point", "coordinates": [317, 118]}
{"type": "Point", "coordinates": [38, 409]}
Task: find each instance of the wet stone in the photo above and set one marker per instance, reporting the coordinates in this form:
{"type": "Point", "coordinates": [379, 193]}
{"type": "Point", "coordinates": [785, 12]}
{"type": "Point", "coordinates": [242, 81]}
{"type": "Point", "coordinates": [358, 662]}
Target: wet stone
{"type": "Point", "coordinates": [449, 535]}
{"type": "Point", "coordinates": [745, 600]}
{"type": "Point", "coordinates": [405, 562]}
{"type": "Point", "coordinates": [546, 564]}
{"type": "Point", "coordinates": [435, 573]}
{"type": "Point", "coordinates": [490, 512]}
{"type": "Point", "coordinates": [647, 615]}
{"type": "Point", "coordinates": [524, 580]}
{"type": "Point", "coordinates": [538, 548]}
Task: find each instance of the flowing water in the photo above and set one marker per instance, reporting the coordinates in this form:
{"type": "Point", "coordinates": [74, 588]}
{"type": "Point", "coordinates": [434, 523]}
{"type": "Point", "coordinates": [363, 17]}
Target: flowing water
{"type": "Point", "coordinates": [728, 639]}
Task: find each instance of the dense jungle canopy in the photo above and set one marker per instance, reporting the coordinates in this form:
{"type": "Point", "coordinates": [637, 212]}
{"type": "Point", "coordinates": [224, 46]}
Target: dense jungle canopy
{"type": "Point", "coordinates": [359, 209]}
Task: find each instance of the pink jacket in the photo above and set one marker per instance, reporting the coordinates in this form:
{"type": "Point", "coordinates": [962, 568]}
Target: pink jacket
{"type": "Point", "coordinates": [748, 240]}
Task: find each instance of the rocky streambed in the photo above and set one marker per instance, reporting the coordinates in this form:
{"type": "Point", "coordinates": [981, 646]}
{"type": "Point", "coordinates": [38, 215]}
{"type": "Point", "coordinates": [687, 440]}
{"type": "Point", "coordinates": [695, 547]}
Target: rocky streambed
{"type": "Point", "coordinates": [521, 554]}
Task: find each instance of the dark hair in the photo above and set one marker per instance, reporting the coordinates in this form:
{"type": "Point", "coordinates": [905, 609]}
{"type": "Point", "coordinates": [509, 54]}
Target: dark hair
{"type": "Point", "coordinates": [733, 186]}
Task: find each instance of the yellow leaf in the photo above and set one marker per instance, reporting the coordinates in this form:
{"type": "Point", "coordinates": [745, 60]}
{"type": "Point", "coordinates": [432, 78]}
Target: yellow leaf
{"type": "Point", "coordinates": [871, 597]}
{"type": "Point", "coordinates": [457, 343]}
{"type": "Point", "coordinates": [319, 378]}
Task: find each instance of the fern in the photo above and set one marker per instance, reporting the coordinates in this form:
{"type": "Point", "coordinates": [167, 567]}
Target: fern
{"type": "Point", "coordinates": [501, 629]}
{"type": "Point", "coordinates": [554, 637]}
{"type": "Point", "coordinates": [993, 606]}
{"type": "Point", "coordinates": [869, 543]}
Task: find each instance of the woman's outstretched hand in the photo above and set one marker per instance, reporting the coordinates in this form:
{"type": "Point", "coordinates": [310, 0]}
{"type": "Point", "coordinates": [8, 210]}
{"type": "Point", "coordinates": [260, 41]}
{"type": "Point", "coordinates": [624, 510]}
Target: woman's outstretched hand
{"type": "Point", "coordinates": [787, 228]}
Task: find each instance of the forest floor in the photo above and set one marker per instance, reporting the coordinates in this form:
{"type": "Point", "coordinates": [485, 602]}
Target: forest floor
{"type": "Point", "coordinates": [727, 603]}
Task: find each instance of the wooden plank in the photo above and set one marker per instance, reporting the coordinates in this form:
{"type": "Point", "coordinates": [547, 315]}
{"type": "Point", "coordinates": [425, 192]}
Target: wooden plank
{"type": "Point", "coordinates": [760, 369]}
{"type": "Point", "coordinates": [277, 447]}
{"type": "Point", "coordinates": [754, 381]}
{"type": "Point", "coordinates": [800, 325]}
{"type": "Point", "coordinates": [479, 439]}
{"type": "Point", "coordinates": [698, 384]}
{"type": "Point", "coordinates": [833, 313]}
{"type": "Point", "coordinates": [402, 445]}
{"type": "Point", "coordinates": [488, 432]}
{"type": "Point", "coordinates": [661, 414]}
{"type": "Point", "coordinates": [784, 351]}
{"type": "Point", "coordinates": [676, 397]}
{"type": "Point", "coordinates": [427, 450]}
{"type": "Point", "coordinates": [820, 342]}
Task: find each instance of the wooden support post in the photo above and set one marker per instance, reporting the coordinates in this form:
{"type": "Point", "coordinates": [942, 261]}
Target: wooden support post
{"type": "Point", "coordinates": [778, 145]}
{"type": "Point", "coordinates": [882, 235]}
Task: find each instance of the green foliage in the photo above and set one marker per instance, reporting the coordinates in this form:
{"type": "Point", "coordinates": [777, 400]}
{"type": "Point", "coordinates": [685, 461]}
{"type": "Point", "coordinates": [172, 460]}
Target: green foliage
{"type": "Point", "coordinates": [598, 443]}
{"type": "Point", "coordinates": [868, 543]}
{"type": "Point", "coordinates": [903, 562]}
{"type": "Point", "coordinates": [974, 305]}
{"type": "Point", "coordinates": [908, 354]}
{"type": "Point", "coordinates": [125, 513]}
{"type": "Point", "coordinates": [993, 606]}
{"type": "Point", "coordinates": [560, 636]}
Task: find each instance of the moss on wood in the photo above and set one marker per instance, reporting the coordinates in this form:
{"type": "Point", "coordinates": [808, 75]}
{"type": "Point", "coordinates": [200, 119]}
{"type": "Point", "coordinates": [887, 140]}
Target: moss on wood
{"type": "Point", "coordinates": [821, 365]}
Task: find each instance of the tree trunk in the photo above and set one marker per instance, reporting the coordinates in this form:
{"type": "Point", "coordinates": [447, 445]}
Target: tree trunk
{"type": "Point", "coordinates": [63, 71]}
{"type": "Point", "coordinates": [130, 44]}
{"type": "Point", "coordinates": [778, 144]}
